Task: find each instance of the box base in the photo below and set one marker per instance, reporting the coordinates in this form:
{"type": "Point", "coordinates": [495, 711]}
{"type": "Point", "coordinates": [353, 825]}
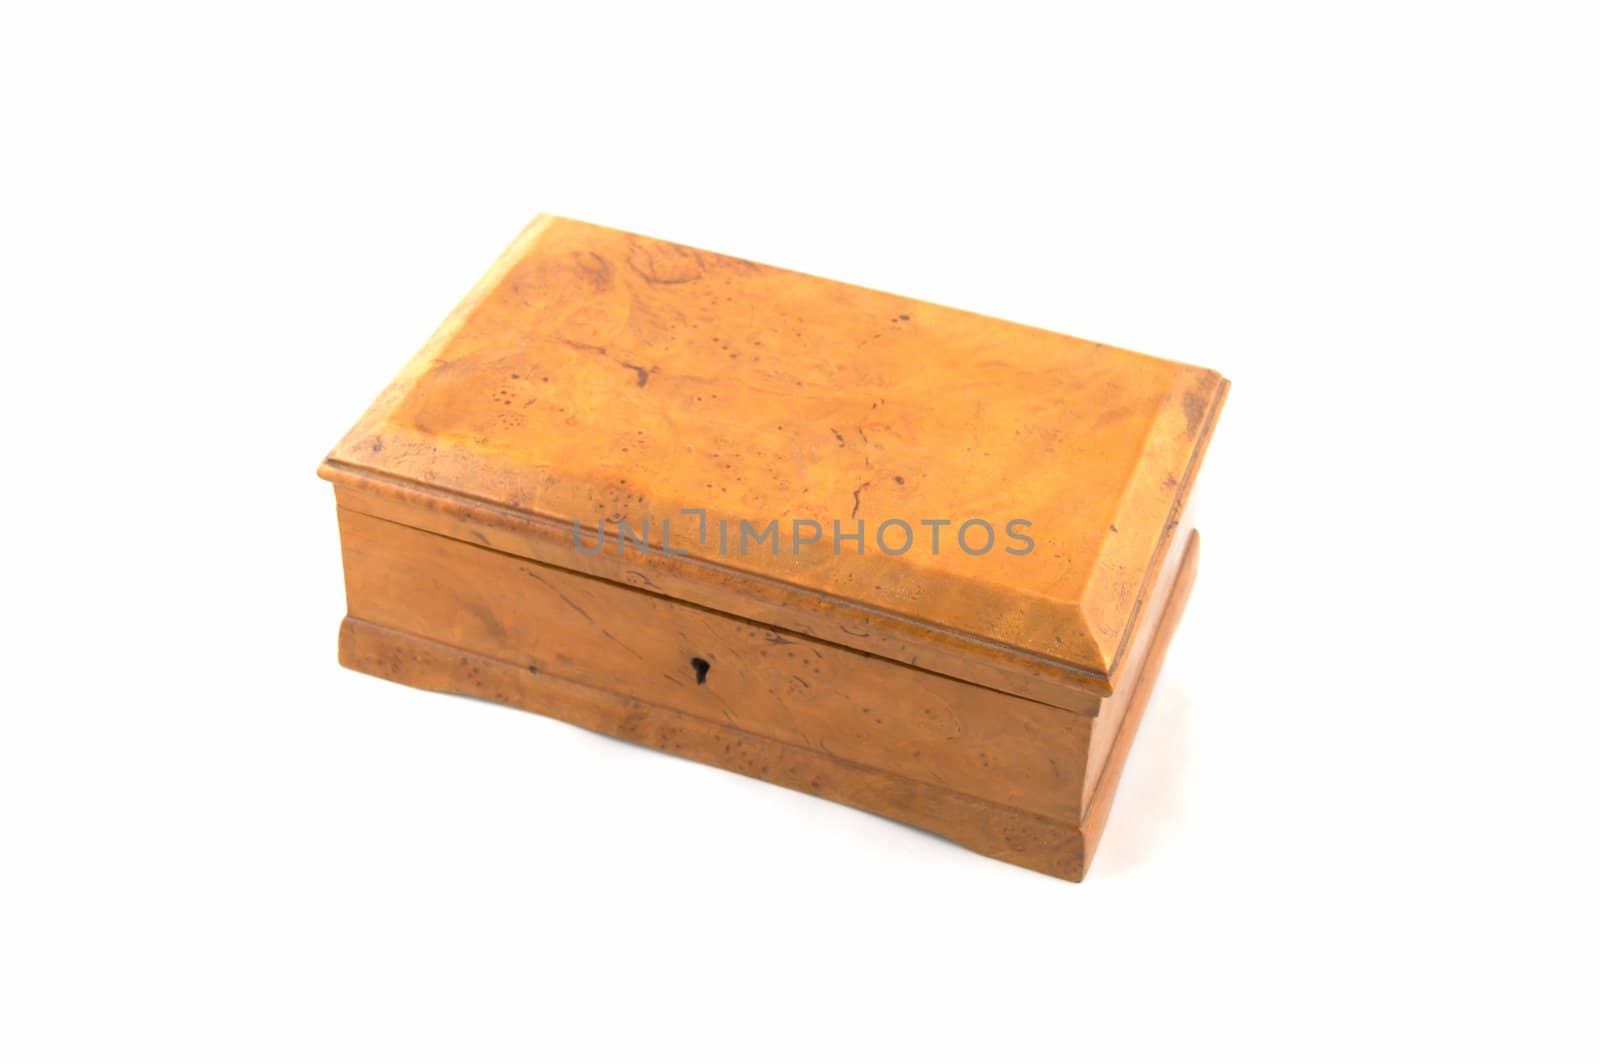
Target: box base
{"type": "Point", "coordinates": [1045, 845]}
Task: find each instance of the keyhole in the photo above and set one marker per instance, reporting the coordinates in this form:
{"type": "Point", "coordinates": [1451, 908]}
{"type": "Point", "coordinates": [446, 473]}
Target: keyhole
{"type": "Point", "coordinates": [701, 667]}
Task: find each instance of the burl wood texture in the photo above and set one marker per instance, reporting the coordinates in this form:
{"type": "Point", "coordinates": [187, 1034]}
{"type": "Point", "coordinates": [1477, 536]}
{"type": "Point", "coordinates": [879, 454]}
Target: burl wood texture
{"type": "Point", "coordinates": [595, 374]}
{"type": "Point", "coordinates": [1000, 775]}
{"type": "Point", "coordinates": [758, 680]}
{"type": "Point", "coordinates": [713, 586]}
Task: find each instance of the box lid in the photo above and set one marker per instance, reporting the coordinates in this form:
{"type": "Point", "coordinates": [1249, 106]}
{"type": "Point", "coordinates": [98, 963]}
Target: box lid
{"type": "Point", "coordinates": [597, 377]}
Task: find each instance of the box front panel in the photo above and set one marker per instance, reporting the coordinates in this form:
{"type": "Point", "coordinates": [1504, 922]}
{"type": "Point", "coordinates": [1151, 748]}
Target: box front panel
{"type": "Point", "coordinates": [849, 706]}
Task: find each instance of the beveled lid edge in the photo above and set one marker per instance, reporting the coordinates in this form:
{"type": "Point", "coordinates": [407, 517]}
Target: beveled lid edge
{"type": "Point", "coordinates": [1203, 427]}
{"type": "Point", "coordinates": [844, 622]}
{"type": "Point", "coordinates": [1105, 629]}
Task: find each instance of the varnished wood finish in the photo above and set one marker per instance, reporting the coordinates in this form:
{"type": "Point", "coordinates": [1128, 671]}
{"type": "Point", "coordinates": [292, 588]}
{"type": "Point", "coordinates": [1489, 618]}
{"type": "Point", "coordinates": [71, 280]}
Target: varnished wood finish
{"type": "Point", "coordinates": [1058, 846]}
{"type": "Point", "coordinates": [691, 581]}
{"type": "Point", "coordinates": [761, 680]}
{"type": "Point", "coordinates": [1011, 835]}
{"type": "Point", "coordinates": [596, 374]}
{"type": "Point", "coordinates": [599, 375]}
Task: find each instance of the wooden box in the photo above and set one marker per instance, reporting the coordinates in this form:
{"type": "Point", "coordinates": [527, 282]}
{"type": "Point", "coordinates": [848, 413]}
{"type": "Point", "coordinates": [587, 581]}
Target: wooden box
{"type": "Point", "coordinates": [909, 558]}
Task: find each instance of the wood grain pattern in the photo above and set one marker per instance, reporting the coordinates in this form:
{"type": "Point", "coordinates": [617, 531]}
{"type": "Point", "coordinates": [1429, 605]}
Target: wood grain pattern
{"type": "Point", "coordinates": [1054, 846]}
{"type": "Point", "coordinates": [600, 375]}
{"type": "Point", "coordinates": [594, 375]}
{"type": "Point", "coordinates": [781, 606]}
{"type": "Point", "coordinates": [1032, 841]}
{"type": "Point", "coordinates": [760, 680]}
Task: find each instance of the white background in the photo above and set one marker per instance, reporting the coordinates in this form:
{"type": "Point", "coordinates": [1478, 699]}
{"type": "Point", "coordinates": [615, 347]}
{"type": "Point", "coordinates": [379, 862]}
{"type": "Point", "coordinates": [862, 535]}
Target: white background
{"type": "Point", "coordinates": [1360, 816]}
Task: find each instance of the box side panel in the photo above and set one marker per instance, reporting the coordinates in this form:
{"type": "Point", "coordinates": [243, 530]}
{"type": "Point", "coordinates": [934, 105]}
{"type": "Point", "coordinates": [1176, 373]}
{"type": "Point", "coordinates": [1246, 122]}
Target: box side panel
{"type": "Point", "coordinates": [643, 647]}
{"type": "Point", "coordinates": [1114, 710]}
{"type": "Point", "coordinates": [1098, 808]}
